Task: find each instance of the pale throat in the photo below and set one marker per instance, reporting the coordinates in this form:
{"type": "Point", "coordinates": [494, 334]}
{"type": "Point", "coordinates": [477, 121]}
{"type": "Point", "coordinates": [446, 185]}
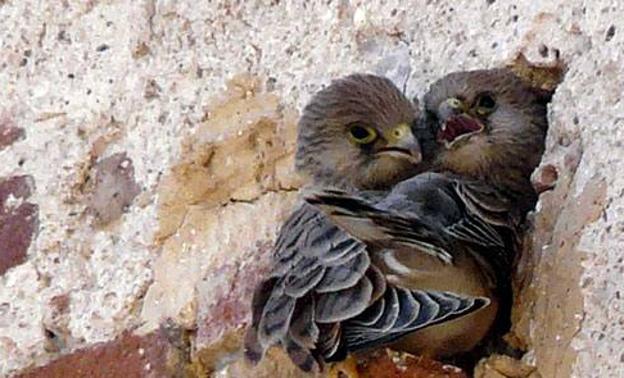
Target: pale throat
{"type": "Point", "coordinates": [469, 159]}
{"type": "Point", "coordinates": [480, 160]}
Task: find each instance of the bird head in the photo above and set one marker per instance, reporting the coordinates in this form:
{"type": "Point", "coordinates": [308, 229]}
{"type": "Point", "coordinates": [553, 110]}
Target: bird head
{"type": "Point", "coordinates": [488, 124]}
{"type": "Point", "coordinates": [357, 133]}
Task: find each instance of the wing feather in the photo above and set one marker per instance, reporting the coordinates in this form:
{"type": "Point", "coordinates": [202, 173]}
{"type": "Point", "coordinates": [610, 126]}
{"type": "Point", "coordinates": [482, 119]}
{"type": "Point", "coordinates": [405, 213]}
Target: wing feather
{"type": "Point", "coordinates": [341, 305]}
{"type": "Point", "coordinates": [341, 276]}
{"type": "Point", "coordinates": [404, 312]}
{"type": "Point", "coordinates": [321, 276]}
{"type": "Point", "coordinates": [325, 297]}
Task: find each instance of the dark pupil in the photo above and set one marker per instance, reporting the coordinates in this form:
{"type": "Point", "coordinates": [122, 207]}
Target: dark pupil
{"type": "Point", "coordinates": [359, 132]}
{"type": "Point", "coordinates": [487, 102]}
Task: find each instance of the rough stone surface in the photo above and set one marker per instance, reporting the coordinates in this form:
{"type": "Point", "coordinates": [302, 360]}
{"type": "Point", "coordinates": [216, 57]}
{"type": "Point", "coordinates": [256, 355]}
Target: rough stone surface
{"type": "Point", "coordinates": [202, 98]}
{"type": "Point", "coordinates": [500, 366]}
{"type": "Point", "coordinates": [114, 188]}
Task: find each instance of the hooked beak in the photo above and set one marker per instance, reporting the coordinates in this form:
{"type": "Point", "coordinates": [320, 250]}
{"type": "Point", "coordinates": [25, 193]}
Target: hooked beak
{"type": "Point", "coordinates": [455, 123]}
{"type": "Point", "coordinates": [402, 144]}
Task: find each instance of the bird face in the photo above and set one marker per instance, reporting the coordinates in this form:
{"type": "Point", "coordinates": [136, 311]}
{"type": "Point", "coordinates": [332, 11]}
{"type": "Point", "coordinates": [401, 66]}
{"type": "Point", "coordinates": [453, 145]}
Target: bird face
{"type": "Point", "coordinates": [460, 120]}
{"type": "Point", "coordinates": [357, 133]}
{"type": "Point", "coordinates": [487, 123]}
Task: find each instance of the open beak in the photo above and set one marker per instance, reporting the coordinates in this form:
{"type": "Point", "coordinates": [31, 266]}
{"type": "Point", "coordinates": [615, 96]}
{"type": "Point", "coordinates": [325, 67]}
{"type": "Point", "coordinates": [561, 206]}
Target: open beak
{"type": "Point", "coordinates": [402, 144]}
{"type": "Point", "coordinates": [456, 124]}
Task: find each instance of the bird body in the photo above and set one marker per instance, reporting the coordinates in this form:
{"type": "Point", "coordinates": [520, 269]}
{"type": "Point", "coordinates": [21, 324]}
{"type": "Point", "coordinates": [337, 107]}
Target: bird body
{"type": "Point", "coordinates": [385, 222]}
{"type": "Point", "coordinates": [456, 336]}
{"type": "Point", "coordinates": [326, 296]}
{"type": "Point", "coordinates": [335, 279]}
{"type": "Point", "coordinates": [382, 255]}
{"type": "Point", "coordinates": [484, 133]}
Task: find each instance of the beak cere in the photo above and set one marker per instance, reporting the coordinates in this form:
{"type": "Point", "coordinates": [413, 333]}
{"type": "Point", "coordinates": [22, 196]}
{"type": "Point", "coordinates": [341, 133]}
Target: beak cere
{"type": "Point", "coordinates": [458, 127]}
{"type": "Point", "coordinates": [402, 145]}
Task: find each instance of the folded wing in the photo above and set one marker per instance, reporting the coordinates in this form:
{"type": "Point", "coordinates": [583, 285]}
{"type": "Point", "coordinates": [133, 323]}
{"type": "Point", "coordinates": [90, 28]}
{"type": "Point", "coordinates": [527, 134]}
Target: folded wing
{"type": "Point", "coordinates": [324, 297]}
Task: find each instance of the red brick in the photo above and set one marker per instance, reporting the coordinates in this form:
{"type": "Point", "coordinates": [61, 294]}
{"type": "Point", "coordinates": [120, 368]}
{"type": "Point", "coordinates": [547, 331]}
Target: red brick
{"type": "Point", "coordinates": [9, 132]}
{"type": "Point", "coordinates": [19, 221]}
{"type": "Point", "coordinates": [388, 364]}
{"type": "Point", "coordinates": [163, 353]}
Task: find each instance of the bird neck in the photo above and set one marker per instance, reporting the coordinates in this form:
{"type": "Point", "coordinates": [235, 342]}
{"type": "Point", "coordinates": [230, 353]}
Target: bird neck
{"type": "Point", "coordinates": [509, 180]}
{"type": "Point", "coordinates": [504, 166]}
{"type": "Point", "coordinates": [516, 186]}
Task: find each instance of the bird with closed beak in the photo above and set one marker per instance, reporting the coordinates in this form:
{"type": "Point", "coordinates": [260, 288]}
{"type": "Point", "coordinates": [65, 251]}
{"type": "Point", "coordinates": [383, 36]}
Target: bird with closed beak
{"type": "Point", "coordinates": [482, 137]}
{"type": "Point", "coordinates": [328, 293]}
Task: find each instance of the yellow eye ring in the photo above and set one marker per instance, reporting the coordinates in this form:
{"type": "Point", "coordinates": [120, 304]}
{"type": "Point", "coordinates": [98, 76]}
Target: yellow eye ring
{"type": "Point", "coordinates": [361, 134]}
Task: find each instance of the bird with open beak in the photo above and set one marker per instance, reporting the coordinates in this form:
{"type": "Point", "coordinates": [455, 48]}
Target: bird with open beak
{"type": "Point", "coordinates": [489, 125]}
{"type": "Point", "coordinates": [328, 293]}
{"type": "Point", "coordinates": [483, 134]}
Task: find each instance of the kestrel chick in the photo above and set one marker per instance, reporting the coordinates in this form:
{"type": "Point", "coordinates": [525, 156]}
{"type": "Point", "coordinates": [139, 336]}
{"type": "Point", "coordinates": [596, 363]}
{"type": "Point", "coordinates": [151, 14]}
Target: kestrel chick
{"type": "Point", "coordinates": [489, 125]}
{"type": "Point", "coordinates": [356, 134]}
{"type": "Point", "coordinates": [325, 295]}
{"type": "Point", "coordinates": [486, 135]}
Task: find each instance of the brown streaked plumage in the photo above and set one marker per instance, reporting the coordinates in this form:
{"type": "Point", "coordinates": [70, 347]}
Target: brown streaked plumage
{"type": "Point", "coordinates": [328, 155]}
{"type": "Point", "coordinates": [485, 134]}
{"type": "Point", "coordinates": [388, 224]}
{"type": "Point", "coordinates": [327, 295]}
{"type": "Point", "coordinates": [512, 117]}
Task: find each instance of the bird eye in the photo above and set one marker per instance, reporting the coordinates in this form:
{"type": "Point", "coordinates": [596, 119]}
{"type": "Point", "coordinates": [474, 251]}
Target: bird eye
{"type": "Point", "coordinates": [362, 134]}
{"type": "Point", "coordinates": [485, 104]}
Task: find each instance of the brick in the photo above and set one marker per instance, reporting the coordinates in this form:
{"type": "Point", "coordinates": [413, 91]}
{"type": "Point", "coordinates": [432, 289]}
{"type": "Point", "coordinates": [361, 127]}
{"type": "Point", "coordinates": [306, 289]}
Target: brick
{"type": "Point", "coordinates": [18, 220]}
{"type": "Point", "coordinates": [162, 353]}
{"type": "Point", "coordinates": [9, 132]}
{"type": "Point", "coordinates": [389, 364]}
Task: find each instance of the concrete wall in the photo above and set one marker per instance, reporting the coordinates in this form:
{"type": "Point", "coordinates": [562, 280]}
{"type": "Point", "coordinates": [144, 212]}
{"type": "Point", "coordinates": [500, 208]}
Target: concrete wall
{"type": "Point", "coordinates": [146, 163]}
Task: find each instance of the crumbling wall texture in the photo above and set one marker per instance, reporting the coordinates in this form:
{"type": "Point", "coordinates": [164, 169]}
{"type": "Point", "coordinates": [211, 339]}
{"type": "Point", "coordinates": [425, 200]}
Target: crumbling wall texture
{"type": "Point", "coordinates": [146, 163]}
